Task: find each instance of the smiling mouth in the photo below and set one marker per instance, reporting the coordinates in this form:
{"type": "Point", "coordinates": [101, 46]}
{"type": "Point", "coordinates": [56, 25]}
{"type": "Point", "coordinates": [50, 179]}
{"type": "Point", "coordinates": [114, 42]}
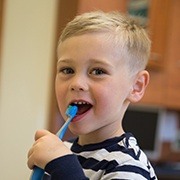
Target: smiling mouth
{"type": "Point", "coordinates": [82, 106]}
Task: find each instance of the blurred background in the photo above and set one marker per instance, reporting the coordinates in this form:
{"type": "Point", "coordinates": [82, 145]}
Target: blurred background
{"type": "Point", "coordinates": [29, 32]}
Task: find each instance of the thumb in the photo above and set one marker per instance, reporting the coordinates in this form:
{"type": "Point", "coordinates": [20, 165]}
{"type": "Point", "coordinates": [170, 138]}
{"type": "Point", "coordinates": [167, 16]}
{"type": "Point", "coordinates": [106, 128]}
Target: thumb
{"type": "Point", "coordinates": [41, 133]}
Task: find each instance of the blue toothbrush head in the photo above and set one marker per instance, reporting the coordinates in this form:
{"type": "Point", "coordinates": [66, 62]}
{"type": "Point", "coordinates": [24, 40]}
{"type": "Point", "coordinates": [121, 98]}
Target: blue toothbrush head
{"type": "Point", "coordinates": [71, 111]}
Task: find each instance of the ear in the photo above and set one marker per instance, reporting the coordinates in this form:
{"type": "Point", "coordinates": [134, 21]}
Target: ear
{"type": "Point", "coordinates": [138, 88]}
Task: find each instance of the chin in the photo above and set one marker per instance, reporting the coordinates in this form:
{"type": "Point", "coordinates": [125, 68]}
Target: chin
{"type": "Point", "coordinates": [78, 131]}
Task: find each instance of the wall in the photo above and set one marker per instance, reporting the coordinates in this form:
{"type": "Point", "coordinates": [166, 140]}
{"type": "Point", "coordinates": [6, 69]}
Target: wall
{"type": "Point", "coordinates": [27, 56]}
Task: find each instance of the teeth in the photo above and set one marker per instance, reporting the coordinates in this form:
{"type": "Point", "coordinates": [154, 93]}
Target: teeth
{"type": "Point", "coordinates": [80, 102]}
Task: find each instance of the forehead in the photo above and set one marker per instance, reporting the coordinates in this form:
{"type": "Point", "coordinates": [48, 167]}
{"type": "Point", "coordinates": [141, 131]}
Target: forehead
{"type": "Point", "coordinates": [92, 44]}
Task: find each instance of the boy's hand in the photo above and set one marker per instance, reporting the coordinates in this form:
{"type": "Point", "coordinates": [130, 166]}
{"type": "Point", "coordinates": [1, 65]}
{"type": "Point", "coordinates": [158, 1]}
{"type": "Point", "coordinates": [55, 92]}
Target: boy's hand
{"type": "Point", "coordinates": [47, 147]}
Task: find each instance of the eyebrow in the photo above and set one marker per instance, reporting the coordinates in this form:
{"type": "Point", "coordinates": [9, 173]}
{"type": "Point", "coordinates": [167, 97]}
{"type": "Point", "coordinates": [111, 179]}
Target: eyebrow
{"type": "Point", "coordinates": [95, 61]}
{"type": "Point", "coordinates": [64, 61]}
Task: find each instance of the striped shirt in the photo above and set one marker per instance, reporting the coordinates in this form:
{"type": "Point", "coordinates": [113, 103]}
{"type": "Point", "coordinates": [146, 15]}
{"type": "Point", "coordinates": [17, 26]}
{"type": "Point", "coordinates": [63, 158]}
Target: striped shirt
{"type": "Point", "coordinates": [116, 158]}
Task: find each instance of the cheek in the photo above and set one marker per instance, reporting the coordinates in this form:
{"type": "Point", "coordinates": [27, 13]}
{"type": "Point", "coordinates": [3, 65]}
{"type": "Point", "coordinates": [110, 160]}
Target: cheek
{"type": "Point", "coordinates": [60, 95]}
{"type": "Point", "coordinates": [60, 88]}
{"type": "Point", "coordinates": [104, 98]}
{"type": "Point", "coordinates": [113, 95]}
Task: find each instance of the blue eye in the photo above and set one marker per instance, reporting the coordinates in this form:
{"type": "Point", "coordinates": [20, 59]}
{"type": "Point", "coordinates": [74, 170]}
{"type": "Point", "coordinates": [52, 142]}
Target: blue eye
{"type": "Point", "coordinates": [97, 71]}
{"type": "Point", "coordinates": [67, 70]}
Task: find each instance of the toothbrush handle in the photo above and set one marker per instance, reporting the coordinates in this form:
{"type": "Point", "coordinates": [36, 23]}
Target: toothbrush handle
{"type": "Point", "coordinates": [37, 173]}
{"type": "Point", "coordinates": [63, 129]}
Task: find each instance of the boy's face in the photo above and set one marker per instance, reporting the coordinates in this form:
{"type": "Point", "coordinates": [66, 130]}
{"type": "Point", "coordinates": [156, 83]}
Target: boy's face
{"type": "Point", "coordinates": [91, 73]}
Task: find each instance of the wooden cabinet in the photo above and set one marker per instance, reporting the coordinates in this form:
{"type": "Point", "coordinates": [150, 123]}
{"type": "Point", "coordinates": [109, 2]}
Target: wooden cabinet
{"type": "Point", "coordinates": [158, 17]}
{"type": "Point", "coordinates": [104, 5]}
{"type": "Point", "coordinates": [164, 87]}
{"type": "Point", "coordinates": [172, 64]}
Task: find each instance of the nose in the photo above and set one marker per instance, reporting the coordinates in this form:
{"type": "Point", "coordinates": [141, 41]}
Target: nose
{"type": "Point", "coordinates": [79, 84]}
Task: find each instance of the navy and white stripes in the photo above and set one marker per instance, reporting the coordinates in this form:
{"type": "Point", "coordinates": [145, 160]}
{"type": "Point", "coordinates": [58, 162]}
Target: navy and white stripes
{"type": "Point", "coordinates": [116, 158]}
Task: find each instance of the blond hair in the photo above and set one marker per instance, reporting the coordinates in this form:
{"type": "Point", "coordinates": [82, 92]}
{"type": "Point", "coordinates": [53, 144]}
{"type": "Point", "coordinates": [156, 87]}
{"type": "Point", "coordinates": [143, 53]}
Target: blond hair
{"type": "Point", "coordinates": [129, 35]}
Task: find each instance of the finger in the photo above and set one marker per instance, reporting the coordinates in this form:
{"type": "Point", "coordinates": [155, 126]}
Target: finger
{"type": "Point", "coordinates": [29, 153]}
{"type": "Point", "coordinates": [30, 162]}
{"type": "Point", "coordinates": [40, 133]}
{"type": "Point", "coordinates": [33, 158]}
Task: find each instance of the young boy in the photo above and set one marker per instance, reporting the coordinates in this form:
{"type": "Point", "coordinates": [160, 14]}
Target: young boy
{"type": "Point", "coordinates": [100, 68]}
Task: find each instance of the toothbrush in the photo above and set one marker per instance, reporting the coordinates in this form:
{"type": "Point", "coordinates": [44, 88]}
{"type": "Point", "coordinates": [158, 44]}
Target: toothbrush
{"type": "Point", "coordinates": [71, 113]}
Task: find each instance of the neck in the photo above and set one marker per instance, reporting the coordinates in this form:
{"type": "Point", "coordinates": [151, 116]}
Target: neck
{"type": "Point", "coordinates": [104, 133]}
